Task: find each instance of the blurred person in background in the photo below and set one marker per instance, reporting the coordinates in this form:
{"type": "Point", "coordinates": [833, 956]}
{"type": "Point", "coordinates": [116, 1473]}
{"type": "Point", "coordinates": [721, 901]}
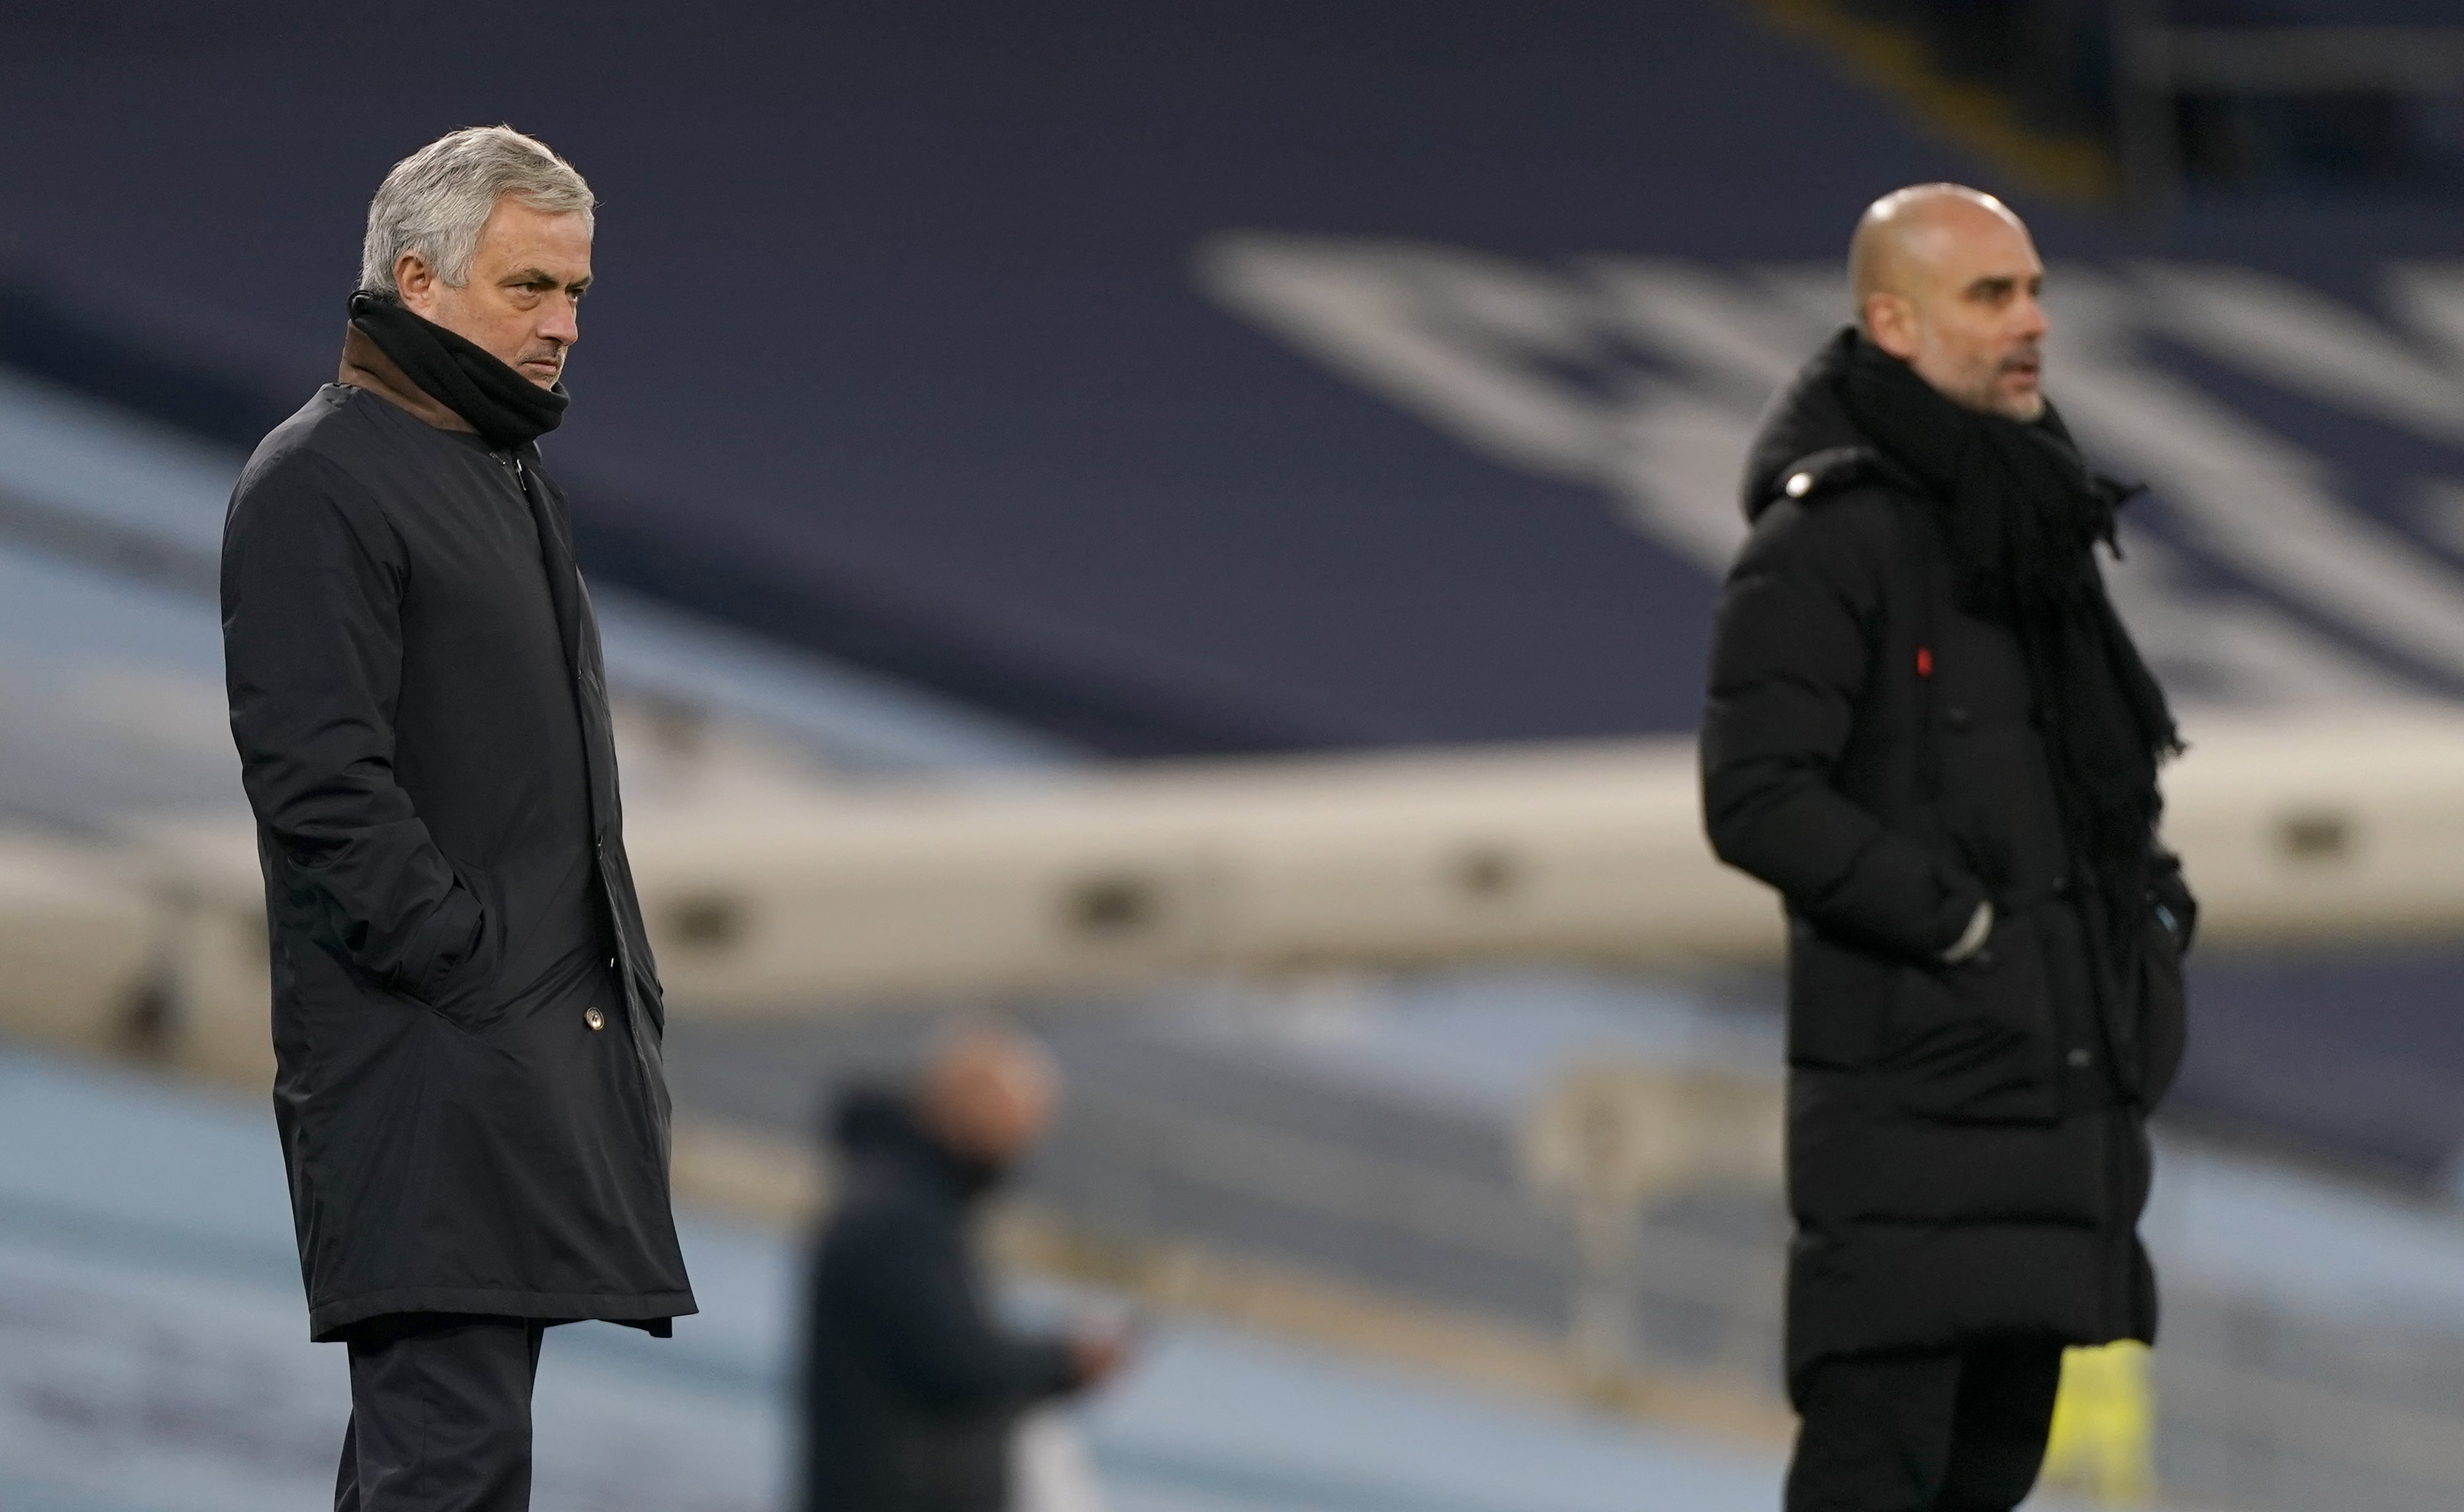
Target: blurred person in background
{"type": "Point", "coordinates": [913, 1388]}
{"type": "Point", "coordinates": [466, 1016]}
{"type": "Point", "coordinates": [1928, 729]}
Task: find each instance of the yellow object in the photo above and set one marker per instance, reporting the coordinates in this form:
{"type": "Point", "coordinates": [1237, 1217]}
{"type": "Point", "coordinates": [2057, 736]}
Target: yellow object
{"type": "Point", "coordinates": [2103, 1440]}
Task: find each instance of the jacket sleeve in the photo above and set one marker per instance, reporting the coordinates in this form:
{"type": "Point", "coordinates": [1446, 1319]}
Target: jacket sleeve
{"type": "Point", "coordinates": [928, 1328]}
{"type": "Point", "coordinates": [1799, 622]}
{"type": "Point", "coordinates": [312, 585]}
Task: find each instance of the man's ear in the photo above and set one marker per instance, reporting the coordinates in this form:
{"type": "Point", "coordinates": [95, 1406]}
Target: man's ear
{"type": "Point", "coordinates": [417, 281]}
{"type": "Point", "coordinates": [1891, 324]}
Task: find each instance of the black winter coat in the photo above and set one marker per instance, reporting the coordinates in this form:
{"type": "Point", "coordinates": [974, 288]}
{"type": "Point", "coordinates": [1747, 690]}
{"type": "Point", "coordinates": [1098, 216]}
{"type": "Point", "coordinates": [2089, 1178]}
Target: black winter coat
{"type": "Point", "coordinates": [467, 1019]}
{"type": "Point", "coordinates": [1967, 1144]}
{"type": "Point", "coordinates": [913, 1387]}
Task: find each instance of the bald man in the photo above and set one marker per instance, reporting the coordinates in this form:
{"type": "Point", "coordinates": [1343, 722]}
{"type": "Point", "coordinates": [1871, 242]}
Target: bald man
{"type": "Point", "coordinates": [913, 1387]}
{"type": "Point", "coordinates": [1927, 731]}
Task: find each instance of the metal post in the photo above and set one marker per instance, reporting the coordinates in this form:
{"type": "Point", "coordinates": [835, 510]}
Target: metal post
{"type": "Point", "coordinates": [1602, 1315]}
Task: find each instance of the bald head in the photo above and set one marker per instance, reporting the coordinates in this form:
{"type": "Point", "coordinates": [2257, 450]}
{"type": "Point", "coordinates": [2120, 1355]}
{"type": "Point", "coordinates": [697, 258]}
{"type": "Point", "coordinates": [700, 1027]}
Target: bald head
{"type": "Point", "coordinates": [1903, 238]}
{"type": "Point", "coordinates": [1946, 280]}
{"type": "Point", "coordinates": [987, 1092]}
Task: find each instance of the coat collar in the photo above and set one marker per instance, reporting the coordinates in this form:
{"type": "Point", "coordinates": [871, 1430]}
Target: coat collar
{"type": "Point", "coordinates": [367, 366]}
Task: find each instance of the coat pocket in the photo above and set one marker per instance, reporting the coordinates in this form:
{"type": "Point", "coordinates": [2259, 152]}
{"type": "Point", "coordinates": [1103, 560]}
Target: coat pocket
{"type": "Point", "coordinates": [1975, 1041]}
{"type": "Point", "coordinates": [2160, 1019]}
{"type": "Point", "coordinates": [470, 995]}
{"type": "Point", "coordinates": [1836, 1000]}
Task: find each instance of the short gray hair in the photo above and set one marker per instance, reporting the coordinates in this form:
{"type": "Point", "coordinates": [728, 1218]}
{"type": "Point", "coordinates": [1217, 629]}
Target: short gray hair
{"type": "Point", "coordinates": [435, 201]}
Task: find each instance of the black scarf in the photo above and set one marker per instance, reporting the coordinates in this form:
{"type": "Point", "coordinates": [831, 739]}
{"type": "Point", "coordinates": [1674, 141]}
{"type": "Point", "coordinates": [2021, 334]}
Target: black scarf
{"type": "Point", "coordinates": [507, 410]}
{"type": "Point", "coordinates": [2022, 514]}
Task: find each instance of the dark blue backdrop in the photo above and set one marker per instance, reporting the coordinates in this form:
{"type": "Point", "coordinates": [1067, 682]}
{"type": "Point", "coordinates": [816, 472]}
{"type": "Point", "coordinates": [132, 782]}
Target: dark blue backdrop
{"type": "Point", "coordinates": [895, 350]}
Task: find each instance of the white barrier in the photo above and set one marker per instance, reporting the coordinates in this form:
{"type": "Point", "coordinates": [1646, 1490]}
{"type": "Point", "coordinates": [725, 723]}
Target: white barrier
{"type": "Point", "coordinates": [1272, 865]}
{"type": "Point", "coordinates": [2348, 830]}
{"type": "Point", "coordinates": [770, 897]}
{"type": "Point", "coordinates": [77, 944]}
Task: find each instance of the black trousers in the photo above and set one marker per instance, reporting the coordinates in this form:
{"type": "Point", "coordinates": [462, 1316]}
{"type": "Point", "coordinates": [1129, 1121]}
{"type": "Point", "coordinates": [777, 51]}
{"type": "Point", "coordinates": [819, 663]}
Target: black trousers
{"type": "Point", "coordinates": [440, 1415]}
{"type": "Point", "coordinates": [1954, 1431]}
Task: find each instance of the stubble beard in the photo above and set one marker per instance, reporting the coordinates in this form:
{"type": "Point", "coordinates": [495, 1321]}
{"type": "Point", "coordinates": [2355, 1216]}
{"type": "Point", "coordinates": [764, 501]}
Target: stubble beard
{"type": "Point", "coordinates": [1990, 397]}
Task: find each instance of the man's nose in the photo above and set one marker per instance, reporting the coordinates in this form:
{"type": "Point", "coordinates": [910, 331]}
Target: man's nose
{"type": "Point", "coordinates": [2033, 323]}
{"type": "Point", "coordinates": [563, 322]}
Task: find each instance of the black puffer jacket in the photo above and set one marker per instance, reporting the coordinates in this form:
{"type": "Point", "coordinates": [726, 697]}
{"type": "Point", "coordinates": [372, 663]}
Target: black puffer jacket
{"type": "Point", "coordinates": [913, 1387]}
{"type": "Point", "coordinates": [1967, 1144]}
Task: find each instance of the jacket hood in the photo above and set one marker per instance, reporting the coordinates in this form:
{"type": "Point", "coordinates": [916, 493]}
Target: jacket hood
{"type": "Point", "coordinates": [874, 1122]}
{"type": "Point", "coordinates": [1807, 418]}
{"type": "Point", "coordinates": [871, 1117]}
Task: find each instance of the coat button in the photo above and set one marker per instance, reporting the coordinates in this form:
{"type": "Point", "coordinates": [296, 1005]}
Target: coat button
{"type": "Point", "coordinates": [2078, 1059]}
{"type": "Point", "coordinates": [599, 1021]}
{"type": "Point", "coordinates": [2062, 887]}
{"type": "Point", "coordinates": [1955, 717]}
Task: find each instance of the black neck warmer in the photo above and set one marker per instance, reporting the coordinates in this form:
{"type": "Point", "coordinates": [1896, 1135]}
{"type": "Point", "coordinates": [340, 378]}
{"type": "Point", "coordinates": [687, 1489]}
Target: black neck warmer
{"type": "Point", "coordinates": [507, 410]}
{"type": "Point", "coordinates": [2022, 514]}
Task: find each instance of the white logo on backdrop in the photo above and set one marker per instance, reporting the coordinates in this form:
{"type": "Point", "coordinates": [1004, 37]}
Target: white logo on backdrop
{"type": "Point", "coordinates": [1645, 378]}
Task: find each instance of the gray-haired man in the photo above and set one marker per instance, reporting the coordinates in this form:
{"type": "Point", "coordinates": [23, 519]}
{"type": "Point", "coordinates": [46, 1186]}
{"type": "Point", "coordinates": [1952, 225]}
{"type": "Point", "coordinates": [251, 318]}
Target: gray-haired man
{"type": "Point", "coordinates": [466, 1016]}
